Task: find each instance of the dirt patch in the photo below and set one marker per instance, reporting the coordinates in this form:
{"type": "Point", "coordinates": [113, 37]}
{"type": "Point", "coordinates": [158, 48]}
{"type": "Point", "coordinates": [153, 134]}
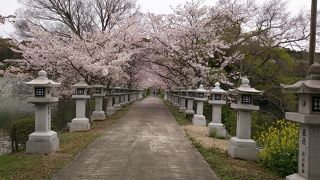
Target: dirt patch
{"type": "Point", "coordinates": [200, 134]}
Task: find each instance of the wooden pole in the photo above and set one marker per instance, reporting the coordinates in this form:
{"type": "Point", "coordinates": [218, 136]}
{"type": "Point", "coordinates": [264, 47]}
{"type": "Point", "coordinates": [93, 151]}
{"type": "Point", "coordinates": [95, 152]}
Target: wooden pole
{"type": "Point", "coordinates": [313, 28]}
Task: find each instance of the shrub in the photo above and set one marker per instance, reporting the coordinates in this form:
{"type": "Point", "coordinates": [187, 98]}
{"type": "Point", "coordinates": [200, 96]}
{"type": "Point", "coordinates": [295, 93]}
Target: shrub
{"type": "Point", "coordinates": [280, 147]}
{"type": "Point", "coordinates": [261, 121]}
{"type": "Point", "coordinates": [19, 133]}
{"type": "Point", "coordinates": [229, 119]}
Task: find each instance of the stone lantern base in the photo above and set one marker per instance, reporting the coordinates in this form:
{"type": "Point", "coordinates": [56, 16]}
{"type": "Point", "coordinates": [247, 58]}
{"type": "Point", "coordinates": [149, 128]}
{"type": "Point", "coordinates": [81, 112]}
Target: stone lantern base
{"type": "Point", "coordinates": [199, 120]}
{"type": "Point", "coordinates": [98, 115]}
{"type": "Point", "coordinates": [117, 107]}
{"type": "Point", "coordinates": [182, 109]}
{"type": "Point", "coordinates": [218, 128]}
{"type": "Point", "coordinates": [110, 111]}
{"type": "Point", "coordinates": [295, 177]}
{"type": "Point", "coordinates": [42, 143]}
{"type": "Point", "coordinates": [189, 112]}
{"type": "Point", "coordinates": [243, 149]}
{"type": "Point", "coordinates": [79, 124]}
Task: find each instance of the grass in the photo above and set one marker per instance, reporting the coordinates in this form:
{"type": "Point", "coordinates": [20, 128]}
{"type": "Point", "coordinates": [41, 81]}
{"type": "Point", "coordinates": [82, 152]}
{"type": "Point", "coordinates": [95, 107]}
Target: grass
{"type": "Point", "coordinates": [25, 166]}
{"type": "Point", "coordinates": [180, 117]}
{"type": "Point", "coordinates": [228, 168]}
{"type": "Point", "coordinates": [223, 165]}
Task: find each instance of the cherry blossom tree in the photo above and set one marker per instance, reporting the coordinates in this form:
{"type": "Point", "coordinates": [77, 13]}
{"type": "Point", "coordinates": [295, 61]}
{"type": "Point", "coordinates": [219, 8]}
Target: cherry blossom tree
{"type": "Point", "coordinates": [97, 57]}
{"type": "Point", "coordinates": [186, 48]}
{"type": "Point", "coordinates": [202, 44]}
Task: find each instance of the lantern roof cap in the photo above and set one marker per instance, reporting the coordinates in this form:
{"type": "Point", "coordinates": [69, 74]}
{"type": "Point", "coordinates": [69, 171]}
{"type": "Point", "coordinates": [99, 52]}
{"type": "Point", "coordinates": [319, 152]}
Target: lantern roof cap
{"type": "Point", "coordinates": [311, 84]}
{"type": "Point", "coordinates": [190, 89]}
{"type": "Point", "coordinates": [246, 88]}
{"type": "Point", "coordinates": [81, 84]}
{"type": "Point", "coordinates": [42, 80]}
{"type": "Point", "coordinates": [97, 86]}
{"type": "Point", "coordinates": [217, 89]}
{"type": "Point", "coordinates": [201, 89]}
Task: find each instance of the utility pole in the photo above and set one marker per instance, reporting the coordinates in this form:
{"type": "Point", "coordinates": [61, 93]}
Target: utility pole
{"type": "Point", "coordinates": [313, 28]}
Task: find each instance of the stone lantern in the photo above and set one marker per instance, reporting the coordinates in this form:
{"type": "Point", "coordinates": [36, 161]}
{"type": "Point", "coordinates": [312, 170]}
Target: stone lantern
{"type": "Point", "coordinates": [130, 95]}
{"type": "Point", "coordinates": [217, 102]}
{"type": "Point", "coordinates": [189, 98]}
{"type": "Point", "coordinates": [165, 95]}
{"type": "Point", "coordinates": [169, 96]}
{"type": "Point", "coordinates": [122, 97]}
{"type": "Point", "coordinates": [308, 116]}
{"type": "Point", "coordinates": [117, 93]}
{"type": "Point", "coordinates": [109, 95]}
{"type": "Point", "coordinates": [43, 140]}
{"type": "Point", "coordinates": [176, 103]}
{"type": "Point", "coordinates": [140, 96]}
{"type": "Point", "coordinates": [126, 97]}
{"type": "Point", "coordinates": [183, 95]}
{"type": "Point", "coordinates": [242, 146]}
{"type": "Point", "coordinates": [200, 97]}
{"type": "Point", "coordinates": [98, 94]}
{"type": "Point", "coordinates": [81, 94]}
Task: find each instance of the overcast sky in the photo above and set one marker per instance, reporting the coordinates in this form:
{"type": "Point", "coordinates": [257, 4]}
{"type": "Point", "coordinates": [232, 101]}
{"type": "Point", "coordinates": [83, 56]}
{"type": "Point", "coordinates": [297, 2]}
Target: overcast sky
{"type": "Point", "coordinates": [157, 6]}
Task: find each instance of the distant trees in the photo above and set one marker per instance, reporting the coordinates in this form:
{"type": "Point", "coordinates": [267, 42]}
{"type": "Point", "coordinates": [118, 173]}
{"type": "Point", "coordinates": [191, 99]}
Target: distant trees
{"type": "Point", "coordinates": [5, 50]}
{"type": "Point", "coordinates": [3, 19]}
{"type": "Point", "coordinates": [73, 16]}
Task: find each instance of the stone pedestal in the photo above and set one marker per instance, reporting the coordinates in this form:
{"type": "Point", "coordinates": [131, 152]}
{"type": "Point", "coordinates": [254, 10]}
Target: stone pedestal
{"type": "Point", "coordinates": [219, 129]}
{"type": "Point", "coordinates": [42, 142]}
{"type": "Point", "coordinates": [242, 146]}
{"type": "Point", "coordinates": [110, 109]}
{"type": "Point", "coordinates": [122, 100]}
{"type": "Point", "coordinates": [182, 108]}
{"type": "Point", "coordinates": [189, 111]}
{"type": "Point", "coordinates": [216, 124]}
{"type": "Point", "coordinates": [132, 98]}
{"type": "Point", "coordinates": [80, 123]}
{"type": "Point", "coordinates": [117, 105]}
{"type": "Point", "coordinates": [98, 113]}
{"type": "Point", "coordinates": [176, 102]}
{"type": "Point", "coordinates": [199, 119]}
{"type": "Point", "coordinates": [126, 99]}
{"type": "Point", "coordinates": [243, 149]}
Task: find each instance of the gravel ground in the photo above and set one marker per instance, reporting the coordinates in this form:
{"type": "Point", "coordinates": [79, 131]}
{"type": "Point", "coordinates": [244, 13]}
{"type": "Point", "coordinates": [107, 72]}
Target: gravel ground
{"type": "Point", "coordinates": [200, 133]}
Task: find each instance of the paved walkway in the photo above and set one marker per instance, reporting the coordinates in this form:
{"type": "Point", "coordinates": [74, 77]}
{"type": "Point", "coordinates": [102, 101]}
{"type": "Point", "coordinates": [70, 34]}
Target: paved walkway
{"type": "Point", "coordinates": [146, 144]}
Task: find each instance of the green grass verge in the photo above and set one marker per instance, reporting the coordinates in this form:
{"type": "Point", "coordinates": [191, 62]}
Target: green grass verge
{"type": "Point", "coordinates": [25, 166]}
{"type": "Point", "coordinates": [180, 117]}
{"type": "Point", "coordinates": [223, 165]}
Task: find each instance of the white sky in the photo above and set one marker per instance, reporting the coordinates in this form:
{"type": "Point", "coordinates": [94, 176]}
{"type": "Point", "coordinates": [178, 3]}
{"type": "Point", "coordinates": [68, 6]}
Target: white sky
{"type": "Point", "coordinates": [156, 6]}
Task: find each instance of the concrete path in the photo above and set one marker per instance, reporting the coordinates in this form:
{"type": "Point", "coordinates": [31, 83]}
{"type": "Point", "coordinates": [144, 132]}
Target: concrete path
{"type": "Point", "coordinates": [146, 144]}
